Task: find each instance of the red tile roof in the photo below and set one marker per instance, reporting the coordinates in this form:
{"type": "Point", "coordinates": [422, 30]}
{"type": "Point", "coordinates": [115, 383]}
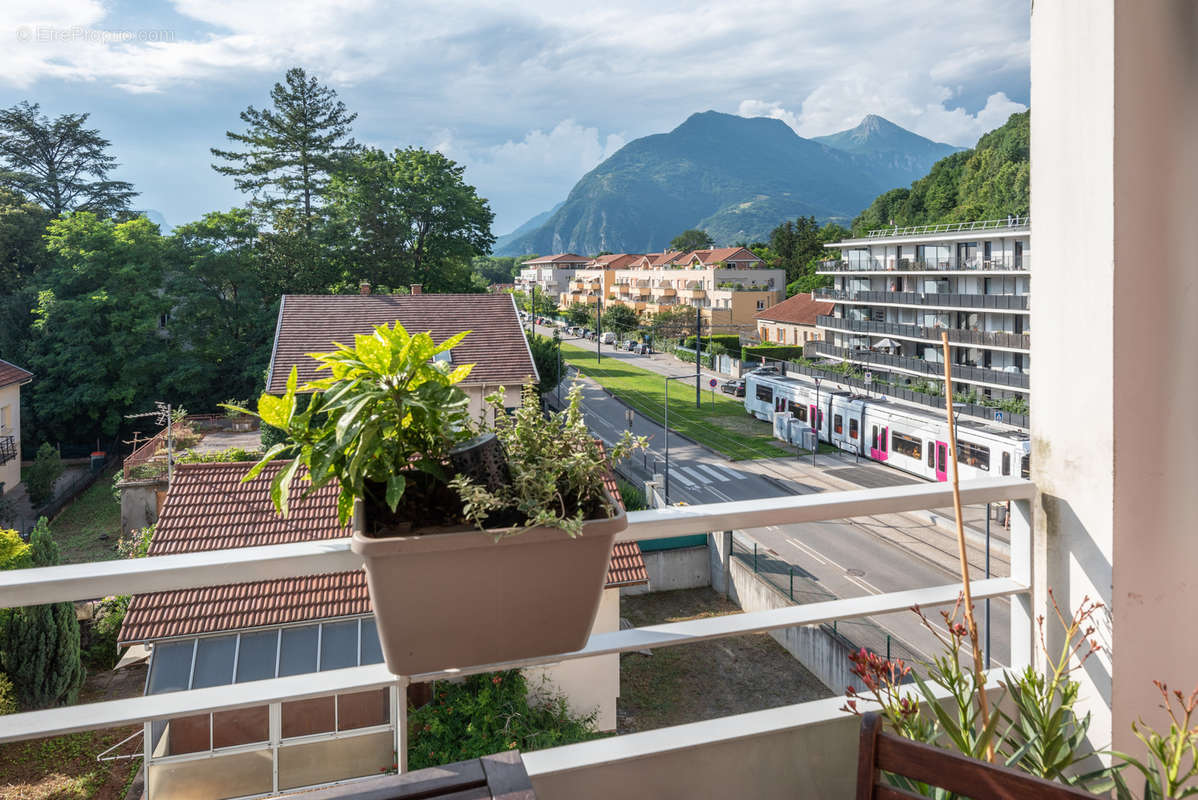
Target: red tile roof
{"type": "Point", "coordinates": [616, 260]}
{"type": "Point", "coordinates": [556, 259]}
{"type": "Point", "coordinates": [496, 344]}
{"type": "Point", "coordinates": [208, 508]}
{"type": "Point", "coordinates": [802, 309]}
{"type": "Point", "coordinates": [11, 373]}
{"type": "Point", "coordinates": [719, 254]}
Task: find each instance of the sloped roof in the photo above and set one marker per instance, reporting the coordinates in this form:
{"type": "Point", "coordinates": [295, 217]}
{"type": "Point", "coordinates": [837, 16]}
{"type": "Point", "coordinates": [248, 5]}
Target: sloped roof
{"type": "Point", "coordinates": [556, 259]}
{"type": "Point", "coordinates": [496, 344]}
{"type": "Point", "coordinates": [802, 309]}
{"type": "Point", "coordinates": [719, 254]}
{"type": "Point", "coordinates": [616, 260]}
{"type": "Point", "coordinates": [209, 508]}
{"type": "Point", "coordinates": [11, 373]}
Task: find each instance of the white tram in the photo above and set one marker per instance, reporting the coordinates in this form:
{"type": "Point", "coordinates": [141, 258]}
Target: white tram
{"type": "Point", "coordinates": [901, 436]}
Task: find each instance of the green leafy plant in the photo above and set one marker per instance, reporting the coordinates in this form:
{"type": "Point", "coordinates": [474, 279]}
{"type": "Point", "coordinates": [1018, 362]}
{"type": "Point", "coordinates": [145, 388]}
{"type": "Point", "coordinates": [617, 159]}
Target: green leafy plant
{"type": "Point", "coordinates": [219, 456]}
{"type": "Point", "coordinates": [1166, 773]}
{"type": "Point", "coordinates": [388, 414]}
{"type": "Point", "coordinates": [46, 469]}
{"type": "Point", "coordinates": [557, 467]}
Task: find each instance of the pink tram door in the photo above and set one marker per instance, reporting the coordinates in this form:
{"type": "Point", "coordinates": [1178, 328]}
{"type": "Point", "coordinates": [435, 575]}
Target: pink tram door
{"type": "Point", "coordinates": [941, 461]}
{"type": "Point", "coordinates": [880, 450]}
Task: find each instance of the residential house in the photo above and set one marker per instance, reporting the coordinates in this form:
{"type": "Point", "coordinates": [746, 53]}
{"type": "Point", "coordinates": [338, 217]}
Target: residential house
{"type": "Point", "coordinates": [12, 378]}
{"type": "Point", "coordinates": [496, 344]}
{"type": "Point", "coordinates": [793, 321]}
{"type": "Point", "coordinates": [549, 274]}
{"type": "Point", "coordinates": [225, 635]}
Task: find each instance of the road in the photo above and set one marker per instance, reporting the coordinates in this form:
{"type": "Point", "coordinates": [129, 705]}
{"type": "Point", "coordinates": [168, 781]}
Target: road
{"type": "Point", "coordinates": [841, 558]}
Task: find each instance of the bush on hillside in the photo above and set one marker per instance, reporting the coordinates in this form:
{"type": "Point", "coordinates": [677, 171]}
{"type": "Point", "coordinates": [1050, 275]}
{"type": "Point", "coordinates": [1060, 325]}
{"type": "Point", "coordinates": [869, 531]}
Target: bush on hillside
{"type": "Point", "coordinates": [46, 469]}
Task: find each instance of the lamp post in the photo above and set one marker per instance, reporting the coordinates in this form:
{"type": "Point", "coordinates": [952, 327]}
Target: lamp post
{"type": "Point", "coordinates": [698, 352]}
{"type": "Point", "coordinates": [598, 329]}
{"type": "Point", "coordinates": [815, 423]}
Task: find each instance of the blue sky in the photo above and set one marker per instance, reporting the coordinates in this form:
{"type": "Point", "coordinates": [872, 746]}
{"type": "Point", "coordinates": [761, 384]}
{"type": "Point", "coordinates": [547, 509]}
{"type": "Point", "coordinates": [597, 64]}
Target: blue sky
{"type": "Point", "coordinates": [528, 95]}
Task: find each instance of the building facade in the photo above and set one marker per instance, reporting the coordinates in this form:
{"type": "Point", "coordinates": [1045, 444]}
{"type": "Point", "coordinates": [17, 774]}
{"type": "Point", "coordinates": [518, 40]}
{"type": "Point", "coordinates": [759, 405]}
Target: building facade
{"type": "Point", "coordinates": [12, 378]}
{"type": "Point", "coordinates": [549, 274]}
{"type": "Point", "coordinates": [794, 321]}
{"type": "Point", "coordinates": [895, 291]}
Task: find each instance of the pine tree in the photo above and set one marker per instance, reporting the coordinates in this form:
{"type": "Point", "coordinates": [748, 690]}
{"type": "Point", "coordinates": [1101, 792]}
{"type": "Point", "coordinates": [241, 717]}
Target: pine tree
{"type": "Point", "coordinates": [292, 148]}
{"type": "Point", "coordinates": [39, 645]}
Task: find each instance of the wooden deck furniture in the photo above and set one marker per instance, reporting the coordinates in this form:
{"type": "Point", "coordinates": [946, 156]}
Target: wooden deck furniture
{"type": "Point", "coordinates": [496, 777]}
{"type": "Point", "coordinates": [881, 751]}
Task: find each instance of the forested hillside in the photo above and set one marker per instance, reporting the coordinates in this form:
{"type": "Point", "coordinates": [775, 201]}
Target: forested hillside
{"type": "Point", "coordinates": [991, 181]}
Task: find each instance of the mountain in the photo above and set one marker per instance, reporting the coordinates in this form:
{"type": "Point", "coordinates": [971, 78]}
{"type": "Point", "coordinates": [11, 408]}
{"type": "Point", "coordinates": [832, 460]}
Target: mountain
{"type": "Point", "coordinates": [991, 181]}
{"type": "Point", "coordinates": [527, 227]}
{"type": "Point", "coordinates": [734, 177]}
{"type": "Point", "coordinates": [155, 216]}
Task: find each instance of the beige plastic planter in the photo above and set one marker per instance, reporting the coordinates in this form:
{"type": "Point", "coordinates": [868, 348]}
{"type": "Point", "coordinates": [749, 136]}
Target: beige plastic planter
{"type": "Point", "coordinates": [461, 599]}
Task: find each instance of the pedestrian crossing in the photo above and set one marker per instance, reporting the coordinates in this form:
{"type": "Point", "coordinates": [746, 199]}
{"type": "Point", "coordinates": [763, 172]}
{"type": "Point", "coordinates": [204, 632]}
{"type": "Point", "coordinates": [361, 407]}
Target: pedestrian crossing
{"type": "Point", "coordinates": [693, 475]}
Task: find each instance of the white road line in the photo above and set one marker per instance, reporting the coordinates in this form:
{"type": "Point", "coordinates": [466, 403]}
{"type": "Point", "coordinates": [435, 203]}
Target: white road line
{"type": "Point", "coordinates": [678, 476]}
{"type": "Point", "coordinates": [734, 475]}
{"type": "Point", "coordinates": [708, 469]}
{"type": "Point", "coordinates": [699, 476]}
{"type": "Point", "coordinates": [806, 551]}
{"type": "Point", "coordinates": [718, 493]}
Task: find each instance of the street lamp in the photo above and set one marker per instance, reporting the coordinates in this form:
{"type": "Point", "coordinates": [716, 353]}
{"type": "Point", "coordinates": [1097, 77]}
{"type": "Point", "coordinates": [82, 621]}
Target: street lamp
{"type": "Point", "coordinates": [815, 423]}
{"type": "Point", "coordinates": [598, 329]}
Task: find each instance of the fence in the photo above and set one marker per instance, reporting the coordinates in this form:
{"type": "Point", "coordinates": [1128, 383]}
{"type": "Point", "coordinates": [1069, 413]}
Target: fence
{"type": "Point", "coordinates": [797, 585]}
{"type": "Point", "coordinates": [962, 372]}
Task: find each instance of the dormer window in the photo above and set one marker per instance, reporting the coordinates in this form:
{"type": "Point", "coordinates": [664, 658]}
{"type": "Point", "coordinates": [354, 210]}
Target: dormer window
{"type": "Point", "coordinates": [445, 356]}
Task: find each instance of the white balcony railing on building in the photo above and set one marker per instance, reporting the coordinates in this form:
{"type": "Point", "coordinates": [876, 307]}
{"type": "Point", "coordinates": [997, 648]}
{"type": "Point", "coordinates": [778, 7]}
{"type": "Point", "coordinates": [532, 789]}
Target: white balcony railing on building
{"type": "Point", "coordinates": [192, 570]}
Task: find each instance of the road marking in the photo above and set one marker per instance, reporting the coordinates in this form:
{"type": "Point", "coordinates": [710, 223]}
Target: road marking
{"type": "Point", "coordinates": [699, 476]}
{"type": "Point", "coordinates": [674, 473]}
{"type": "Point", "coordinates": [736, 476]}
{"type": "Point", "coordinates": [806, 551]}
{"type": "Point", "coordinates": [718, 493]}
{"type": "Point", "coordinates": [705, 468]}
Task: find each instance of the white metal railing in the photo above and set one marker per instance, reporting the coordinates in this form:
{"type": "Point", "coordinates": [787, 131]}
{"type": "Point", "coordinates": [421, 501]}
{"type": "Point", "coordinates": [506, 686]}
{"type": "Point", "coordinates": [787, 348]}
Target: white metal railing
{"type": "Point", "coordinates": [222, 567]}
{"type": "Point", "coordinates": [952, 227]}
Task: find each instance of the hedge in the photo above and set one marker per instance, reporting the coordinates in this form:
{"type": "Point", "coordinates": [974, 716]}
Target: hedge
{"type": "Point", "coordinates": [729, 340]}
{"type": "Point", "coordinates": [771, 353]}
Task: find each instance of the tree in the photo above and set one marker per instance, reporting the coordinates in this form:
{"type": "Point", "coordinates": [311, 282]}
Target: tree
{"type": "Point", "coordinates": [579, 314]}
{"type": "Point", "coordinates": [693, 239]}
{"type": "Point", "coordinates": [59, 163]}
{"type": "Point", "coordinates": [673, 323]}
{"type": "Point", "coordinates": [39, 645]}
{"type": "Point", "coordinates": [409, 217]}
{"type": "Point", "coordinates": [620, 319]}
{"type": "Point", "coordinates": [546, 305]}
{"type": "Point", "coordinates": [224, 312]}
{"type": "Point", "coordinates": [97, 346]}
{"type": "Point", "coordinates": [545, 356]}
{"type": "Point", "coordinates": [290, 150]}
{"type": "Point", "coordinates": [46, 469]}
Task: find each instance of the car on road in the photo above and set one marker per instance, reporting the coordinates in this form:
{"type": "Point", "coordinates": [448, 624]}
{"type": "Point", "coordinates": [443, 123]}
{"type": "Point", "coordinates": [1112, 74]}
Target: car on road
{"type": "Point", "coordinates": [644, 349]}
{"type": "Point", "coordinates": [734, 387]}
{"type": "Point", "coordinates": [609, 338]}
{"type": "Point", "coordinates": [629, 345]}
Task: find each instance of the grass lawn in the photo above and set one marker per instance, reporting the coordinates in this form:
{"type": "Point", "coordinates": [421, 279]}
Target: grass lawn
{"type": "Point", "coordinates": [92, 515]}
{"type": "Point", "coordinates": [722, 425]}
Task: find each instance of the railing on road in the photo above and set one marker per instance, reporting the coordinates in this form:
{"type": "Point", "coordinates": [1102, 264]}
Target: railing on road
{"type": "Point", "coordinates": [224, 567]}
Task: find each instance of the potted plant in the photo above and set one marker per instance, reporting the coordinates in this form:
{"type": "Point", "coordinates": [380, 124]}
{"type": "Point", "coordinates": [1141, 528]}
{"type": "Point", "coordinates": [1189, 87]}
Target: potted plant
{"type": "Point", "coordinates": [481, 544]}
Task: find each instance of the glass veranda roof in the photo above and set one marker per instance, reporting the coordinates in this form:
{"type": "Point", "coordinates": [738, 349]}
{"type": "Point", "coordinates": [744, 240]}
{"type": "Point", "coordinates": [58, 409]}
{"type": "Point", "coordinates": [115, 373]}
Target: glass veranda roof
{"type": "Point", "coordinates": [204, 661]}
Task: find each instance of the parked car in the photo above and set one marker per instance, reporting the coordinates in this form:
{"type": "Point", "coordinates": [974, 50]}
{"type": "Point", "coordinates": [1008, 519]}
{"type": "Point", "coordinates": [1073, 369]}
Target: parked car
{"type": "Point", "coordinates": [629, 345]}
{"type": "Point", "coordinates": [644, 349]}
{"type": "Point", "coordinates": [734, 387]}
{"type": "Point", "coordinates": [609, 338]}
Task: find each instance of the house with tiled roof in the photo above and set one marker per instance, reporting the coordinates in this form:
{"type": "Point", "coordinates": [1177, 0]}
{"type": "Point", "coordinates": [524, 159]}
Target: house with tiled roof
{"type": "Point", "coordinates": [549, 275]}
{"type": "Point", "coordinates": [225, 635]}
{"type": "Point", "coordinates": [12, 378]}
{"type": "Point", "coordinates": [793, 321]}
{"type": "Point", "coordinates": [496, 344]}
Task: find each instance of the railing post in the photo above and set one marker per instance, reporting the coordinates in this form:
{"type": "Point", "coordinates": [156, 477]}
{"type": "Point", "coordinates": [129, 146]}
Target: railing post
{"type": "Point", "coordinates": [792, 584]}
{"type": "Point", "coordinates": [754, 556]}
{"type": "Point", "coordinates": [1023, 634]}
{"type": "Point", "coordinates": [399, 709]}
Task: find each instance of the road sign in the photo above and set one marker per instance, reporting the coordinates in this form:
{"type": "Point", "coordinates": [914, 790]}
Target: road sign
{"type": "Point", "coordinates": [869, 377]}
{"type": "Point", "coordinates": [998, 416]}
{"type": "Point", "coordinates": [713, 382]}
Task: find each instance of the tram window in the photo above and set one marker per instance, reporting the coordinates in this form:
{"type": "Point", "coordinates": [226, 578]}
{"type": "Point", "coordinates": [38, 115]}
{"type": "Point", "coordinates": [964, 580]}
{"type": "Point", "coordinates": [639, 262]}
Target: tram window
{"type": "Point", "coordinates": [975, 455]}
{"type": "Point", "coordinates": [1025, 467]}
{"type": "Point", "coordinates": [883, 447]}
{"type": "Point", "coordinates": [765, 393]}
{"type": "Point", "coordinates": [931, 455]}
{"type": "Point", "coordinates": [852, 429]}
{"type": "Point", "coordinates": [837, 423]}
{"type": "Point", "coordinates": [874, 439]}
{"type": "Point", "coordinates": [906, 445]}
{"type": "Point", "coordinates": [798, 411]}
{"type": "Point", "coordinates": [1006, 464]}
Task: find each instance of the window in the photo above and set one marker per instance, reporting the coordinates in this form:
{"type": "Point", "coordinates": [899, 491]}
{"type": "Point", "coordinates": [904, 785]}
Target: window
{"type": "Point", "coordinates": [852, 429]}
{"type": "Point", "coordinates": [837, 423]}
{"type": "Point", "coordinates": [4, 417]}
{"type": "Point", "coordinates": [932, 456]}
{"type": "Point", "coordinates": [907, 445]}
{"type": "Point", "coordinates": [975, 455]}
{"type": "Point", "coordinates": [761, 305]}
{"type": "Point", "coordinates": [1025, 467]}
{"type": "Point", "coordinates": [1006, 464]}
{"type": "Point", "coordinates": [765, 393]}
{"type": "Point", "coordinates": [798, 411]}
{"type": "Point", "coordinates": [873, 442]}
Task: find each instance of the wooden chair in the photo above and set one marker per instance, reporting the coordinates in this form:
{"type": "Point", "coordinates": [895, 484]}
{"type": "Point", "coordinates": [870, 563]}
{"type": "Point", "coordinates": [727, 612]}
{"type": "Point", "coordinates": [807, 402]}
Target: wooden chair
{"type": "Point", "coordinates": [496, 777]}
{"type": "Point", "coordinates": [967, 777]}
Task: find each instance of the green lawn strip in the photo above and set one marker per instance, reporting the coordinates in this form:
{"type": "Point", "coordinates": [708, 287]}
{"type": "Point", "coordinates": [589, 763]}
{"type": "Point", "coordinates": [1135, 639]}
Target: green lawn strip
{"type": "Point", "coordinates": [722, 425]}
{"type": "Point", "coordinates": [65, 767]}
{"type": "Point", "coordinates": [94, 513]}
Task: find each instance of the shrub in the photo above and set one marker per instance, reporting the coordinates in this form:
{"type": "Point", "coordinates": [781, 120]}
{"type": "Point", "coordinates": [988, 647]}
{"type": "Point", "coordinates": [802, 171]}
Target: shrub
{"type": "Point", "coordinates": [634, 498]}
{"type": "Point", "coordinates": [490, 713]}
{"type": "Point", "coordinates": [102, 652]}
{"type": "Point", "coordinates": [14, 553]}
{"type": "Point", "coordinates": [771, 352]}
{"type": "Point", "coordinates": [8, 696]}
{"type": "Point", "coordinates": [46, 469]}
{"type": "Point", "coordinates": [728, 340]}
{"type": "Point", "coordinates": [219, 456]}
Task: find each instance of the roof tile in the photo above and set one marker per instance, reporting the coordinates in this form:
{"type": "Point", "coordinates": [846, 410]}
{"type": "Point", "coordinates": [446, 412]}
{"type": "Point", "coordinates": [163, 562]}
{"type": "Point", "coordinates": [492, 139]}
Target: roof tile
{"type": "Point", "coordinates": [802, 309]}
{"type": "Point", "coordinates": [11, 373]}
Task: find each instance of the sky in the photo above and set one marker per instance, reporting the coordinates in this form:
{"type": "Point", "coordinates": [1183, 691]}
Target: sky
{"type": "Point", "coordinates": [528, 95]}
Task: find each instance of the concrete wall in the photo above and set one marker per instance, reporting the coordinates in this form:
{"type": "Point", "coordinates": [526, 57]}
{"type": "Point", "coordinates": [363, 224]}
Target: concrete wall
{"type": "Point", "coordinates": [10, 399]}
{"type": "Point", "coordinates": [139, 503]}
{"type": "Point", "coordinates": [684, 568]}
{"type": "Point", "coordinates": [590, 684]}
{"type": "Point", "coordinates": [1114, 196]}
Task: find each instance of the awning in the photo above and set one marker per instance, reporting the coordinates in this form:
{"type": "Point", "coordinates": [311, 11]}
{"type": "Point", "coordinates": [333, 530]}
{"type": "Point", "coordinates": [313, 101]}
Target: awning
{"type": "Point", "coordinates": [886, 343]}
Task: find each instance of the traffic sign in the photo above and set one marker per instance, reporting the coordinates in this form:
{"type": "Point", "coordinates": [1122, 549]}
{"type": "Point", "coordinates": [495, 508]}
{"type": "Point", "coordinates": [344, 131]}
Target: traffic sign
{"type": "Point", "coordinates": [998, 416]}
{"type": "Point", "coordinates": [869, 377]}
{"type": "Point", "coordinates": [713, 383]}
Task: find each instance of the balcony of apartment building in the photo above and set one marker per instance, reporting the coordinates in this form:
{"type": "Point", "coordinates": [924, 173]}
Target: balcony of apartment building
{"type": "Point", "coordinates": [234, 731]}
{"type": "Point", "coordinates": [962, 336]}
{"type": "Point", "coordinates": [664, 289]}
{"type": "Point", "coordinates": [623, 289]}
{"type": "Point", "coordinates": [966, 371]}
{"type": "Point", "coordinates": [693, 289]}
{"type": "Point", "coordinates": [879, 265]}
{"type": "Point", "coordinates": [955, 300]}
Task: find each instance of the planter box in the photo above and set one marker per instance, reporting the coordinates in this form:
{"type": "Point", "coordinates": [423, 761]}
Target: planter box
{"type": "Point", "coordinates": [460, 599]}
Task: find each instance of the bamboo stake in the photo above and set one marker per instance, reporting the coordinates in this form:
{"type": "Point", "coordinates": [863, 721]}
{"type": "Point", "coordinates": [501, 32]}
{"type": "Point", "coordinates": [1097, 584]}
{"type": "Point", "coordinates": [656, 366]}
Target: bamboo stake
{"type": "Point", "coordinates": [970, 622]}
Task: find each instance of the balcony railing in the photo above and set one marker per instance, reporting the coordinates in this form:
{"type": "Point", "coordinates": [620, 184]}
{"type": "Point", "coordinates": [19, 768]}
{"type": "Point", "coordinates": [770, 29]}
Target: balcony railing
{"type": "Point", "coordinates": [953, 227]}
{"type": "Point", "coordinates": [933, 369]}
{"type": "Point", "coordinates": [1017, 341]}
{"type": "Point", "coordinates": [8, 448]}
{"type": "Point", "coordinates": [1024, 264]}
{"type": "Point", "coordinates": [989, 302]}
{"type": "Point", "coordinates": [551, 770]}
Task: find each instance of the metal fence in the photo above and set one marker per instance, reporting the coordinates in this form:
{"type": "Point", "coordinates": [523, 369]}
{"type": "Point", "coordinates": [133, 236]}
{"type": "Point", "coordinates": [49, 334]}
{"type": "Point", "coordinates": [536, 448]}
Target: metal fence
{"type": "Point", "coordinates": [963, 372]}
{"type": "Point", "coordinates": [993, 302]}
{"type": "Point", "coordinates": [798, 586]}
{"type": "Point", "coordinates": [953, 227]}
{"type": "Point", "coordinates": [1020, 341]}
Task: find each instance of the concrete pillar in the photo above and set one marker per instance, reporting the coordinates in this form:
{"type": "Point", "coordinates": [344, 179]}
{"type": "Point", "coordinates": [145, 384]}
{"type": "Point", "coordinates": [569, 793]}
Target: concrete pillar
{"type": "Point", "coordinates": [1114, 202]}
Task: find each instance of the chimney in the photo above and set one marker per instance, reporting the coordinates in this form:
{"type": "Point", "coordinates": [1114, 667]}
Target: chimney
{"type": "Point", "coordinates": [416, 287]}
{"type": "Point", "coordinates": [364, 288]}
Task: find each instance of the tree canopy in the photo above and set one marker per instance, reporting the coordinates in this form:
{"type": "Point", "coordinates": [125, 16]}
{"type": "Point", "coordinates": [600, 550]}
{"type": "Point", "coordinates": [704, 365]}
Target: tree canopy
{"type": "Point", "coordinates": [693, 239]}
{"type": "Point", "coordinates": [59, 164]}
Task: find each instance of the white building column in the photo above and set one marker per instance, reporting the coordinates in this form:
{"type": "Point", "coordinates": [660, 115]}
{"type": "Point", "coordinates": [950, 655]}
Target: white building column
{"type": "Point", "coordinates": [1114, 436]}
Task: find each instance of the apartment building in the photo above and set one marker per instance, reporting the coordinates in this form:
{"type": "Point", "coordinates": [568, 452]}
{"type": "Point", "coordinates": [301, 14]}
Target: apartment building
{"type": "Point", "coordinates": [549, 274]}
{"type": "Point", "coordinates": [729, 285]}
{"type": "Point", "coordinates": [12, 378]}
{"type": "Point", "coordinates": [897, 290]}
